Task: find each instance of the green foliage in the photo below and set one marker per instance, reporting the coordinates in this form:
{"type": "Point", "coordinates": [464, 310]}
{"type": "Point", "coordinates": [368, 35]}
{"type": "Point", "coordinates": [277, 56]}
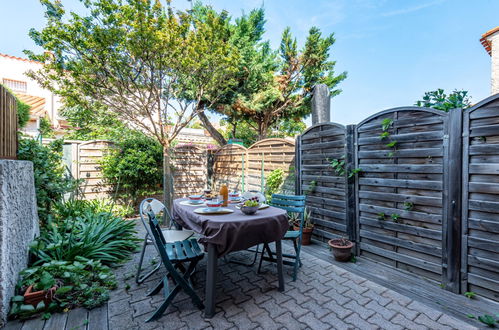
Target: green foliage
{"type": "Point", "coordinates": [439, 100]}
{"type": "Point", "coordinates": [75, 208]}
{"type": "Point", "coordinates": [395, 217]}
{"type": "Point", "coordinates": [51, 182]}
{"type": "Point", "coordinates": [100, 237]}
{"type": "Point", "coordinates": [381, 216]}
{"type": "Point", "coordinates": [384, 135]}
{"type": "Point", "coordinates": [470, 294]}
{"type": "Point", "coordinates": [22, 113]}
{"type": "Point", "coordinates": [392, 144]}
{"type": "Point", "coordinates": [338, 165]}
{"type": "Point", "coordinates": [46, 128]}
{"type": "Point", "coordinates": [354, 172]}
{"type": "Point", "coordinates": [408, 206]}
{"type": "Point", "coordinates": [273, 182]}
{"type": "Point", "coordinates": [488, 320]}
{"type": "Point", "coordinates": [386, 124]}
{"type": "Point", "coordinates": [82, 282]}
{"type": "Point", "coordinates": [135, 166]}
{"type": "Point", "coordinates": [311, 187]}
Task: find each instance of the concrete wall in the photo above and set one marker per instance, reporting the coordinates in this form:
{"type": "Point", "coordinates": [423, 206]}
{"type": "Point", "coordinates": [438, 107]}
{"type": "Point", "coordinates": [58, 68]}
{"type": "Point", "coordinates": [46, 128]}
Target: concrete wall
{"type": "Point", "coordinates": [18, 225]}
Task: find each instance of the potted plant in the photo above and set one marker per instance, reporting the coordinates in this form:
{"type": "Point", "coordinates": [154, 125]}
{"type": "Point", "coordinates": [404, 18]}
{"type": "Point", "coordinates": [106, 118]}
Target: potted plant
{"type": "Point", "coordinates": [308, 226]}
{"type": "Point", "coordinates": [342, 248]}
{"type": "Point", "coordinates": [43, 290]}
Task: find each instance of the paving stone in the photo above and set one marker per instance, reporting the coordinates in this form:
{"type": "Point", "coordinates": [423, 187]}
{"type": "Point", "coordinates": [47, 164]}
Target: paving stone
{"type": "Point", "coordinates": [230, 308]}
{"type": "Point", "coordinates": [333, 320]}
{"type": "Point", "coordinates": [353, 277]}
{"type": "Point", "coordinates": [406, 323]}
{"type": "Point", "coordinates": [318, 310]}
{"type": "Point", "coordinates": [142, 307]}
{"type": "Point", "coordinates": [361, 300]}
{"type": "Point", "coordinates": [379, 289]}
{"type": "Point", "coordinates": [382, 301]}
{"type": "Point", "coordinates": [454, 323]}
{"type": "Point", "coordinates": [266, 322]}
{"type": "Point", "coordinates": [400, 299]}
{"type": "Point", "coordinates": [194, 321]}
{"type": "Point", "coordinates": [273, 308]}
{"type": "Point", "coordinates": [408, 313]}
{"type": "Point", "coordinates": [378, 309]}
{"type": "Point", "coordinates": [378, 320]}
{"type": "Point", "coordinates": [252, 309]}
{"type": "Point", "coordinates": [289, 321]}
{"type": "Point", "coordinates": [295, 308]}
{"type": "Point", "coordinates": [318, 297]}
{"type": "Point", "coordinates": [123, 321]}
{"type": "Point", "coordinates": [423, 319]}
{"type": "Point", "coordinates": [356, 287]}
{"type": "Point", "coordinates": [339, 310]}
{"type": "Point", "coordinates": [338, 298]}
{"type": "Point", "coordinates": [363, 312]}
{"type": "Point", "coordinates": [242, 321]}
{"type": "Point", "coordinates": [297, 296]}
{"type": "Point", "coordinates": [431, 313]}
{"type": "Point", "coordinates": [118, 307]}
{"type": "Point", "coordinates": [355, 320]}
{"type": "Point", "coordinates": [313, 323]}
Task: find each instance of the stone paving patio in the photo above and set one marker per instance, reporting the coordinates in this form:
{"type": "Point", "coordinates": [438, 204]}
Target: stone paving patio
{"type": "Point", "coordinates": [325, 296]}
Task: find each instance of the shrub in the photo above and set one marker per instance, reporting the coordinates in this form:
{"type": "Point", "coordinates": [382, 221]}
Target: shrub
{"type": "Point", "coordinates": [274, 182]}
{"type": "Point", "coordinates": [22, 113]}
{"type": "Point", "coordinates": [82, 282]}
{"type": "Point", "coordinates": [135, 166]}
{"type": "Point", "coordinates": [97, 236]}
{"type": "Point", "coordinates": [75, 207]}
{"type": "Point", "coordinates": [51, 183]}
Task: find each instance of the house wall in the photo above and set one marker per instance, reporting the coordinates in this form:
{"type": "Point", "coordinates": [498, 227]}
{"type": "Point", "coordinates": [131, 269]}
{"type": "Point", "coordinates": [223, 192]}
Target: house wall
{"type": "Point", "coordinates": [15, 68]}
{"type": "Point", "coordinates": [494, 40]}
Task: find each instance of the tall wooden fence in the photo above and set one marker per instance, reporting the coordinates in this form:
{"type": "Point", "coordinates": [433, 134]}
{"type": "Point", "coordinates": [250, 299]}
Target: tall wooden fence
{"type": "Point", "coordinates": [418, 191]}
{"type": "Point", "coordinates": [8, 124]}
{"type": "Point", "coordinates": [246, 169]}
{"type": "Point", "coordinates": [190, 170]}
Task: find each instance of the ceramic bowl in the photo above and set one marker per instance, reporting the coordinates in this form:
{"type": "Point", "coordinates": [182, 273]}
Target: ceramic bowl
{"type": "Point", "coordinates": [196, 199]}
{"type": "Point", "coordinates": [249, 210]}
{"type": "Point", "coordinates": [214, 205]}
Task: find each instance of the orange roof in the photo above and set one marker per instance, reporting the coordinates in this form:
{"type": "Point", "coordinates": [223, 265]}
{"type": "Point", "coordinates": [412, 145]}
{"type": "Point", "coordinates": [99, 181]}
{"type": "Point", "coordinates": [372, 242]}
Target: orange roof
{"type": "Point", "coordinates": [18, 58]}
{"type": "Point", "coordinates": [486, 44]}
{"type": "Point", "coordinates": [37, 104]}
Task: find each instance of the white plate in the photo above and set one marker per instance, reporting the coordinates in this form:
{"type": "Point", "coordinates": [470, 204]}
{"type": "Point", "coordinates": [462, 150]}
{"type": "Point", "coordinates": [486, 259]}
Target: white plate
{"type": "Point", "coordinates": [188, 203]}
{"type": "Point", "coordinates": [205, 210]}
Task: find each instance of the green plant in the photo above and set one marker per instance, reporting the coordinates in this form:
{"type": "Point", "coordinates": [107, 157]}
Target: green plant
{"type": "Point", "coordinates": [439, 100]}
{"type": "Point", "coordinates": [384, 135]}
{"type": "Point", "coordinates": [392, 144]}
{"type": "Point", "coordinates": [251, 203]}
{"type": "Point", "coordinates": [95, 236]}
{"type": "Point", "coordinates": [74, 208]}
{"type": "Point", "coordinates": [386, 123]}
{"type": "Point", "coordinates": [311, 187]}
{"type": "Point", "coordinates": [395, 217]}
{"type": "Point", "coordinates": [273, 182]}
{"type": "Point", "coordinates": [134, 167]}
{"type": "Point", "coordinates": [381, 216]}
{"type": "Point", "coordinates": [353, 172]}
{"type": "Point", "coordinates": [82, 282]}
{"type": "Point", "coordinates": [488, 320]}
{"type": "Point", "coordinates": [338, 165]}
{"type": "Point", "coordinates": [470, 294]}
{"type": "Point", "coordinates": [51, 181]}
{"type": "Point", "coordinates": [22, 113]}
{"type": "Point", "coordinates": [408, 206]}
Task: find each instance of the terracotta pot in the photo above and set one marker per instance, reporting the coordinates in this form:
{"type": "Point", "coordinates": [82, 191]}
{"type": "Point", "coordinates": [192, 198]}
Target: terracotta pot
{"type": "Point", "coordinates": [341, 253]}
{"type": "Point", "coordinates": [34, 297]}
{"type": "Point", "coordinates": [306, 235]}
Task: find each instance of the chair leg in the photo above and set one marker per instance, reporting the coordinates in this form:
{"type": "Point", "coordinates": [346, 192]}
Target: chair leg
{"type": "Point", "coordinates": [297, 261]}
{"type": "Point", "coordinates": [243, 263]}
{"type": "Point", "coordinates": [296, 251]}
{"type": "Point", "coordinates": [158, 287]}
{"type": "Point", "coordinates": [137, 277]}
{"type": "Point", "coordinates": [265, 248]}
{"type": "Point", "coordinates": [161, 309]}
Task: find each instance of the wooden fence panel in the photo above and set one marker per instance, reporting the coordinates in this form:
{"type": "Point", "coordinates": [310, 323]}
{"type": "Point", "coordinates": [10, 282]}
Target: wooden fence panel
{"type": "Point", "coordinates": [267, 155]}
{"type": "Point", "coordinates": [325, 188]}
{"type": "Point", "coordinates": [401, 154]}
{"type": "Point", "coordinates": [228, 166]}
{"type": "Point", "coordinates": [480, 216]}
{"type": "Point", "coordinates": [88, 157]}
{"type": "Point", "coordinates": [8, 124]}
{"type": "Point", "coordinates": [190, 170]}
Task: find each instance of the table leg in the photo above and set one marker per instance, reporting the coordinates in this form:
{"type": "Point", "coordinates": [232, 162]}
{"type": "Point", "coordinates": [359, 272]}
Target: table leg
{"type": "Point", "coordinates": [280, 274]}
{"type": "Point", "coordinates": [211, 281]}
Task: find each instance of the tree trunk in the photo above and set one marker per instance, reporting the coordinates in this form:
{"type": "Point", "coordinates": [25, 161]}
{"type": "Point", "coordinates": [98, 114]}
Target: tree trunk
{"type": "Point", "coordinates": [234, 129]}
{"type": "Point", "coordinates": [209, 127]}
{"type": "Point", "coordinates": [167, 181]}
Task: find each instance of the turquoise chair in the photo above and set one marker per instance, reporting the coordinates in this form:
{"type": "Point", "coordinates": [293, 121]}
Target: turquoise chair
{"type": "Point", "coordinates": [174, 256]}
{"type": "Point", "coordinates": [292, 204]}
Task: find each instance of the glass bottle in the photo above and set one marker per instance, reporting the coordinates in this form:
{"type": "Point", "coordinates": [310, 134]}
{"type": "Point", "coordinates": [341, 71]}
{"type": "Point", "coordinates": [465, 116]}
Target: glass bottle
{"type": "Point", "coordinates": [224, 192]}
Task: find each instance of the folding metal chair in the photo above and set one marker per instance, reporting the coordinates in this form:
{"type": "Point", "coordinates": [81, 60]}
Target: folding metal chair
{"type": "Point", "coordinates": [173, 256]}
{"type": "Point", "coordinates": [295, 204]}
{"type": "Point", "coordinates": [170, 235]}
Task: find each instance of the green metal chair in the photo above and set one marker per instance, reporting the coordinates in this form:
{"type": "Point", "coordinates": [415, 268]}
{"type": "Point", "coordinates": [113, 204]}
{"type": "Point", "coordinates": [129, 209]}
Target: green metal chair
{"type": "Point", "coordinates": [173, 257]}
{"type": "Point", "coordinates": [293, 204]}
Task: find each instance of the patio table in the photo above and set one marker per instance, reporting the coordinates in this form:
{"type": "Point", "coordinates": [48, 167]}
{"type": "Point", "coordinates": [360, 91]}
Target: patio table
{"type": "Point", "coordinates": [224, 233]}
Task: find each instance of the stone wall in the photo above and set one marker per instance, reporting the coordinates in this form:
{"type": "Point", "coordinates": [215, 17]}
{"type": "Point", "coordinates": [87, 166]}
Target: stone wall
{"type": "Point", "coordinates": [18, 225]}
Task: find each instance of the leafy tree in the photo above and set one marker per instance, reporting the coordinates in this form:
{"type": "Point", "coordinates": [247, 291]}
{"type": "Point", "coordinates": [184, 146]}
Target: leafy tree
{"type": "Point", "coordinates": [22, 113]}
{"type": "Point", "coordinates": [150, 67]}
{"type": "Point", "coordinates": [439, 100]}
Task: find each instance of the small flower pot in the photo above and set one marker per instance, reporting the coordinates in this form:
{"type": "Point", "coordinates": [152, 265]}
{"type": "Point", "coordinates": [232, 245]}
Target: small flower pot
{"type": "Point", "coordinates": [306, 234]}
{"type": "Point", "coordinates": [341, 252]}
{"type": "Point", "coordinates": [34, 297]}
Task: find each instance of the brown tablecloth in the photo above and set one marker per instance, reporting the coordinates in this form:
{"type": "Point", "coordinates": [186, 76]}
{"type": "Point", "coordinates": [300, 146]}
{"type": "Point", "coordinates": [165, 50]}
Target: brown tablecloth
{"type": "Point", "coordinates": [235, 231]}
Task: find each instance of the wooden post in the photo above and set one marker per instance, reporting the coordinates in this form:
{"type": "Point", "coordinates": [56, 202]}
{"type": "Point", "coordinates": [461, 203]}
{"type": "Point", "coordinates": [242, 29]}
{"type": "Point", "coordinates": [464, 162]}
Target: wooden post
{"type": "Point", "coordinates": [242, 174]}
{"type": "Point", "coordinates": [298, 166]}
{"type": "Point", "coordinates": [351, 216]}
{"type": "Point", "coordinates": [451, 226]}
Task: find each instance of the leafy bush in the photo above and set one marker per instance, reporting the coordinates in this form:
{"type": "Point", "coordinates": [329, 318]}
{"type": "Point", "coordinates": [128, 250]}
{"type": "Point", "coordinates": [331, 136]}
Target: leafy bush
{"type": "Point", "coordinates": [97, 236]}
{"type": "Point", "coordinates": [274, 182]}
{"type": "Point", "coordinates": [441, 101]}
{"type": "Point", "coordinates": [51, 183]}
{"type": "Point", "coordinates": [135, 166]}
{"type": "Point", "coordinates": [74, 208]}
{"type": "Point", "coordinates": [82, 282]}
{"type": "Point", "coordinates": [22, 113]}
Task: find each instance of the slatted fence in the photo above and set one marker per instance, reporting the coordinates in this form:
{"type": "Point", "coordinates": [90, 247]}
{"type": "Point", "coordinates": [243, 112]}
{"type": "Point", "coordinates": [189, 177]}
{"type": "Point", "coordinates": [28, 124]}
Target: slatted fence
{"type": "Point", "coordinates": [480, 261]}
{"type": "Point", "coordinates": [190, 170]}
{"type": "Point", "coordinates": [325, 188]}
{"type": "Point", "coordinates": [8, 124]}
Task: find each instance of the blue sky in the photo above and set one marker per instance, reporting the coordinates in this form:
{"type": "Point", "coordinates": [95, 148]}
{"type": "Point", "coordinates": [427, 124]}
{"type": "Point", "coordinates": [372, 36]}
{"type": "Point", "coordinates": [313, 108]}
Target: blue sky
{"type": "Point", "coordinates": [393, 50]}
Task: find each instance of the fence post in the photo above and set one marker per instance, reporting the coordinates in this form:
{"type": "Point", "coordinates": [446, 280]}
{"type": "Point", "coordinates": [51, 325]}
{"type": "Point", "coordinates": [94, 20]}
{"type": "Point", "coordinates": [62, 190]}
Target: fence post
{"type": "Point", "coordinates": [351, 215]}
{"type": "Point", "coordinates": [298, 165]}
{"type": "Point", "coordinates": [451, 224]}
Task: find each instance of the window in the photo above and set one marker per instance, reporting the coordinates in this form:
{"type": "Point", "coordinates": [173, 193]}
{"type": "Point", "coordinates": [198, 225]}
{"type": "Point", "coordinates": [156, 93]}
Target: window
{"type": "Point", "coordinates": [15, 85]}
